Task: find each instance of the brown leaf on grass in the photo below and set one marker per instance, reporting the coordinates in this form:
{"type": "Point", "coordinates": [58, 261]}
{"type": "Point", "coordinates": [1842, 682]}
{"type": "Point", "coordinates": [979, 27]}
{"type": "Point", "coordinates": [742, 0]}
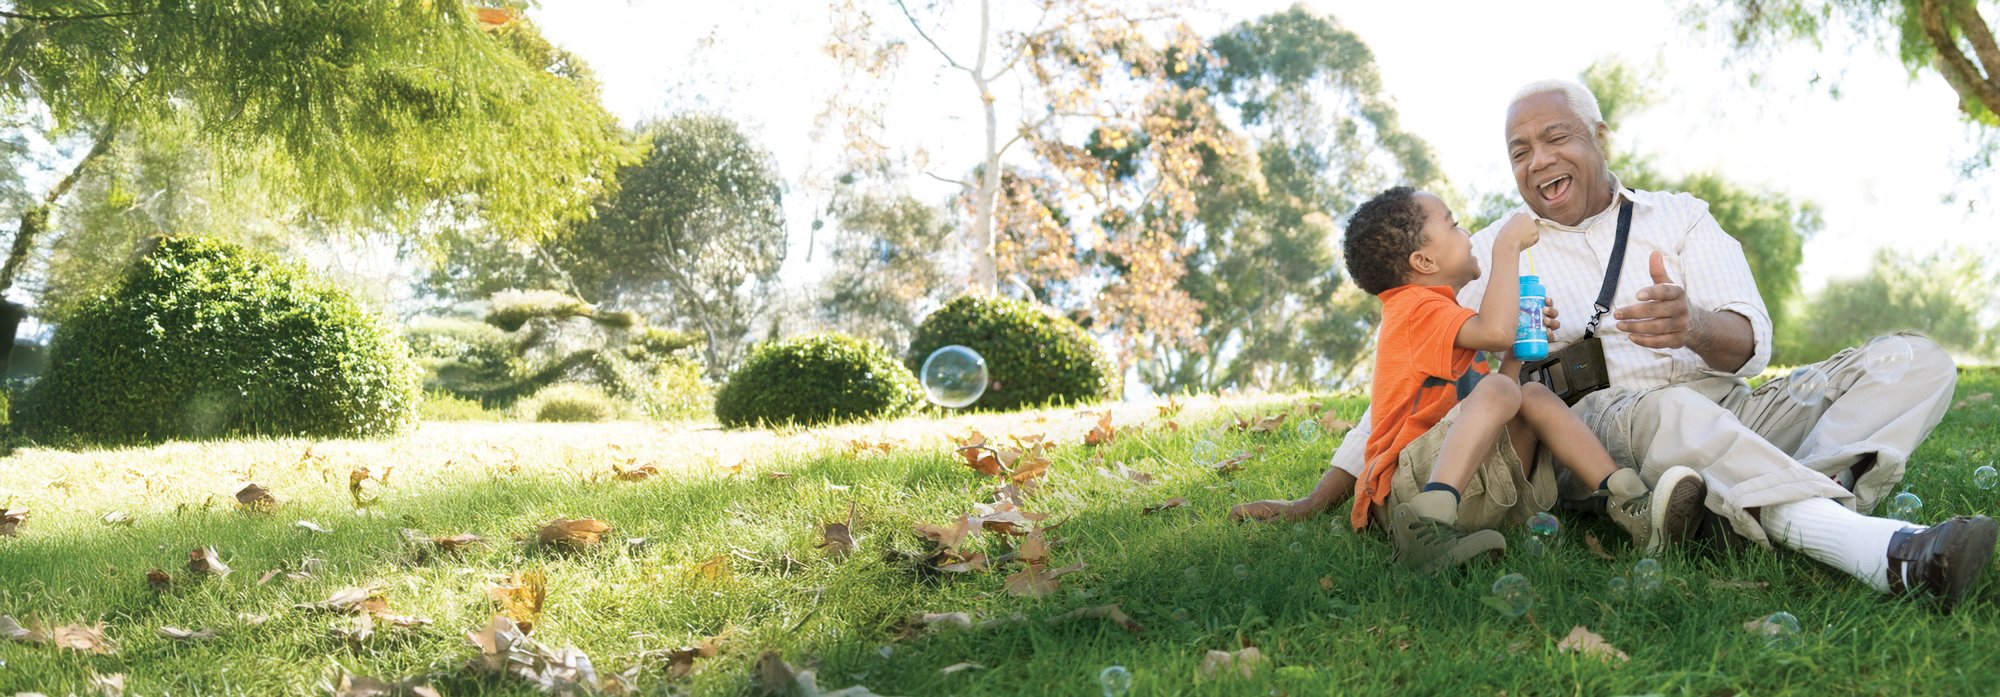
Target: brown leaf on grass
{"type": "Point", "coordinates": [777, 476]}
{"type": "Point", "coordinates": [1171, 408]}
{"type": "Point", "coordinates": [400, 621]}
{"type": "Point", "coordinates": [82, 638]}
{"type": "Point", "coordinates": [949, 538]}
{"type": "Point", "coordinates": [978, 456]}
{"type": "Point", "coordinates": [499, 643]}
{"type": "Point", "coordinates": [1167, 505]}
{"type": "Point", "coordinates": [957, 562]}
{"type": "Point", "coordinates": [715, 569]}
{"type": "Point", "coordinates": [117, 519]}
{"type": "Point", "coordinates": [347, 684]}
{"type": "Point", "coordinates": [1326, 583]}
{"type": "Point", "coordinates": [1590, 542]}
{"type": "Point", "coordinates": [1113, 613]}
{"type": "Point", "coordinates": [1233, 463]}
{"type": "Point", "coordinates": [520, 598]}
{"type": "Point", "coordinates": [1005, 519]}
{"type": "Point", "coordinates": [159, 581]}
{"type": "Point", "coordinates": [1034, 549]}
{"type": "Point", "coordinates": [637, 474]}
{"type": "Point", "coordinates": [881, 445]}
{"type": "Point", "coordinates": [13, 631]}
{"type": "Point", "coordinates": [354, 599]}
{"type": "Point", "coordinates": [178, 634]}
{"type": "Point", "coordinates": [941, 620]}
{"type": "Point", "coordinates": [1031, 465]}
{"type": "Point", "coordinates": [313, 527]}
{"type": "Point", "coordinates": [1101, 433]}
{"type": "Point", "coordinates": [681, 661]}
{"type": "Point", "coordinates": [454, 543]}
{"type": "Point", "coordinates": [838, 538]}
{"type": "Point", "coordinates": [357, 476]}
{"type": "Point", "coordinates": [1588, 643]}
{"type": "Point", "coordinates": [574, 534]}
{"type": "Point", "coordinates": [774, 675]}
{"type": "Point", "coordinates": [1219, 664]}
{"type": "Point", "coordinates": [11, 520]}
{"type": "Point", "coordinates": [1334, 425]}
{"type": "Point", "coordinates": [112, 685]}
{"type": "Point", "coordinates": [1038, 580]}
{"type": "Point", "coordinates": [963, 665]}
{"type": "Point", "coordinates": [203, 561]}
{"type": "Point", "coordinates": [1255, 424]}
{"type": "Point", "coordinates": [1739, 585]}
{"type": "Point", "coordinates": [1119, 470]}
{"type": "Point", "coordinates": [256, 498]}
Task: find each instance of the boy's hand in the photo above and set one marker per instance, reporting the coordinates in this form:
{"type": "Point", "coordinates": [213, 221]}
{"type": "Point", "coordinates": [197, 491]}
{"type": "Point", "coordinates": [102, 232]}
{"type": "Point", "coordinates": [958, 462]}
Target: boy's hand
{"type": "Point", "coordinates": [1521, 231]}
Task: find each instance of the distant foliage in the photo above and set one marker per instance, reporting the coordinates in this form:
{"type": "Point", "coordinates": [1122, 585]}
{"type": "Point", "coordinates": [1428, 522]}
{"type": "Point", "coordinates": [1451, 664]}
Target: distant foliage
{"type": "Point", "coordinates": [443, 406]}
{"type": "Point", "coordinates": [825, 378]}
{"type": "Point", "coordinates": [513, 308]}
{"type": "Point", "coordinates": [1941, 295]}
{"type": "Point", "coordinates": [1033, 357]}
{"type": "Point", "coordinates": [203, 339]}
{"type": "Point", "coordinates": [569, 402]}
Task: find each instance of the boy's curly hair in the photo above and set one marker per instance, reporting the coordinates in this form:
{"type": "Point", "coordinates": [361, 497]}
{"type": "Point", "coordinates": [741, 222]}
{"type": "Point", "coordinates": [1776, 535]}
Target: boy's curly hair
{"type": "Point", "coordinates": [1380, 237]}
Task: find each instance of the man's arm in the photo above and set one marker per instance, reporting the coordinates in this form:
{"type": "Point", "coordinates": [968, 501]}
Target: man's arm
{"type": "Point", "coordinates": [1334, 487]}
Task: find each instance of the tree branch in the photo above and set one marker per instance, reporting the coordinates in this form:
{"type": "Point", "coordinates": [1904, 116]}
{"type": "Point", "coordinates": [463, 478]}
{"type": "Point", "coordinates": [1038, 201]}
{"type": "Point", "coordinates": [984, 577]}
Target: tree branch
{"type": "Point", "coordinates": [927, 37]}
{"type": "Point", "coordinates": [962, 183]}
{"type": "Point", "coordinates": [1981, 38]}
{"type": "Point", "coordinates": [35, 220]}
{"type": "Point", "coordinates": [67, 18]}
{"type": "Point", "coordinates": [1952, 63]}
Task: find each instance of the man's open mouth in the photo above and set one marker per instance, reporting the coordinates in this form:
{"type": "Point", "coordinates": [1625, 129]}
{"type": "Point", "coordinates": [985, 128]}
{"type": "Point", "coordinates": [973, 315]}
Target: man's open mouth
{"type": "Point", "coordinates": [1554, 189]}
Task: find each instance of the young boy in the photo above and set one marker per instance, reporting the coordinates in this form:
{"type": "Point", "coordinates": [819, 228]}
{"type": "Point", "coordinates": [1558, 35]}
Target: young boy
{"type": "Point", "coordinates": [1445, 458]}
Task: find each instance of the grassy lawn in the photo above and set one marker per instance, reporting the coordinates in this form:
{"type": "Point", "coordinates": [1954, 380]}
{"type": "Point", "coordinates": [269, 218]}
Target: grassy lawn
{"type": "Point", "coordinates": [733, 555]}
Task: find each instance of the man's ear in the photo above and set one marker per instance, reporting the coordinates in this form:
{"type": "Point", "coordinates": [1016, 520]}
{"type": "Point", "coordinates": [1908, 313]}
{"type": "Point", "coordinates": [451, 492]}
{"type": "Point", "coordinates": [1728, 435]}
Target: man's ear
{"type": "Point", "coordinates": [1603, 133]}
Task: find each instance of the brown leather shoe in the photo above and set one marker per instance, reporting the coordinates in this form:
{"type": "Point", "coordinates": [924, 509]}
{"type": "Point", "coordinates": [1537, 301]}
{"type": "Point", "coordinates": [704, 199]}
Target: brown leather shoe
{"type": "Point", "coordinates": [1943, 560]}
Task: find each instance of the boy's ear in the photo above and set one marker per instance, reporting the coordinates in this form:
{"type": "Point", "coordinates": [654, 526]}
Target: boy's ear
{"type": "Point", "coordinates": [1421, 264]}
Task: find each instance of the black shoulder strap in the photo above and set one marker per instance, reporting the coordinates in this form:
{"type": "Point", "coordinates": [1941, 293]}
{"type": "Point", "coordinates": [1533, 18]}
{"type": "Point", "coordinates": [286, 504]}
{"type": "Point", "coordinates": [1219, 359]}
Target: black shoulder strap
{"type": "Point", "coordinates": [1604, 294]}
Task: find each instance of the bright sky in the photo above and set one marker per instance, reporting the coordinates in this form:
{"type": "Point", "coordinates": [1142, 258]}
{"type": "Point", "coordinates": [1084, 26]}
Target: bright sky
{"type": "Point", "coordinates": [1878, 160]}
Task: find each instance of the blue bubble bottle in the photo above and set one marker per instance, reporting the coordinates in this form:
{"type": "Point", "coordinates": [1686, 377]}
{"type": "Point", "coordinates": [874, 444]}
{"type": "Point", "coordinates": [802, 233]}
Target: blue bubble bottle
{"type": "Point", "coordinates": [1531, 337]}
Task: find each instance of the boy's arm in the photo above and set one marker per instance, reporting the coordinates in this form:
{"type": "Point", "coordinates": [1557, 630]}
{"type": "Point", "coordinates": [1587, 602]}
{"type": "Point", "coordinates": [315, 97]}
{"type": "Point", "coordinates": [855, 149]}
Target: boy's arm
{"type": "Point", "coordinates": [1499, 311]}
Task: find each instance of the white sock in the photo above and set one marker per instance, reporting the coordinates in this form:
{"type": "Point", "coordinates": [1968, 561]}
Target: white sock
{"type": "Point", "coordinates": [1835, 536]}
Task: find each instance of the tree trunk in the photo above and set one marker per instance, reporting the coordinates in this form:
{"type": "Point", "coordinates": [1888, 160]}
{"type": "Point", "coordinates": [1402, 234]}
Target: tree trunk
{"type": "Point", "coordinates": [34, 221]}
{"type": "Point", "coordinates": [985, 268]}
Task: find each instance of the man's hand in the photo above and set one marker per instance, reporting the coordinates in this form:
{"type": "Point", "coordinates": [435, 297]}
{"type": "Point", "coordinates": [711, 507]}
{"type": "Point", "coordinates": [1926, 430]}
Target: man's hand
{"type": "Point", "coordinates": [1661, 319]}
{"type": "Point", "coordinates": [1549, 317]}
{"type": "Point", "coordinates": [1272, 510]}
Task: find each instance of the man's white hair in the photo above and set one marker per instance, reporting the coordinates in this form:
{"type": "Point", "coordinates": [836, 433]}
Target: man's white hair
{"type": "Point", "coordinates": [1580, 100]}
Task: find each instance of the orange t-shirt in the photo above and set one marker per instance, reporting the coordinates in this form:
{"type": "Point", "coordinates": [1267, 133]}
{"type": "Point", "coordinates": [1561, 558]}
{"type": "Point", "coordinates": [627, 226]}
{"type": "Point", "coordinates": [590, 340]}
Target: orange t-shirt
{"type": "Point", "coordinates": [1420, 371]}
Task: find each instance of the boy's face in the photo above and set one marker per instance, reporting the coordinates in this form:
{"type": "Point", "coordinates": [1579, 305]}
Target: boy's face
{"type": "Point", "coordinates": [1447, 245]}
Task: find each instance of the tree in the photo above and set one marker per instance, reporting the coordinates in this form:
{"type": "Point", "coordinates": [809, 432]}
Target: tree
{"type": "Point", "coordinates": [1949, 37]}
{"type": "Point", "coordinates": [692, 228]}
{"type": "Point", "coordinates": [1941, 295]}
{"type": "Point", "coordinates": [886, 262]}
{"type": "Point", "coordinates": [373, 113]}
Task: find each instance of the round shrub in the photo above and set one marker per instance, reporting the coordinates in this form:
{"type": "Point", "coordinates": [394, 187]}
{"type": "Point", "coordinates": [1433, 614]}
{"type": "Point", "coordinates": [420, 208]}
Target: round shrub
{"type": "Point", "coordinates": [1033, 357]}
{"type": "Point", "coordinates": [202, 338]}
{"type": "Point", "coordinates": [825, 378]}
{"type": "Point", "coordinates": [569, 402]}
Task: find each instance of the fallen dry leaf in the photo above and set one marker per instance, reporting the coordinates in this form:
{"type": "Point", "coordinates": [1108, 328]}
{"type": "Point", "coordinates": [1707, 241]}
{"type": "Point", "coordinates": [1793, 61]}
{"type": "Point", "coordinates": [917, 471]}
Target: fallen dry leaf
{"type": "Point", "coordinates": [573, 534]}
{"type": "Point", "coordinates": [112, 685]}
{"type": "Point", "coordinates": [774, 675]}
{"type": "Point", "coordinates": [934, 620]}
{"type": "Point", "coordinates": [310, 526]}
{"type": "Point", "coordinates": [178, 634]}
{"type": "Point", "coordinates": [838, 538]}
{"type": "Point", "coordinates": [256, 498]}
{"type": "Point", "coordinates": [1218, 664]}
{"type": "Point", "coordinates": [1038, 580]}
{"type": "Point", "coordinates": [357, 476]}
{"type": "Point", "coordinates": [1233, 463]}
{"type": "Point", "coordinates": [636, 474]}
{"type": "Point", "coordinates": [117, 519]}
{"type": "Point", "coordinates": [87, 639]}
{"type": "Point", "coordinates": [1266, 424]}
{"type": "Point", "coordinates": [1172, 407]}
{"type": "Point", "coordinates": [1590, 542]}
{"type": "Point", "coordinates": [1167, 505]}
{"type": "Point", "coordinates": [204, 562]}
{"type": "Point", "coordinates": [346, 684]}
{"type": "Point", "coordinates": [1326, 583]}
{"type": "Point", "coordinates": [979, 457]}
{"type": "Point", "coordinates": [520, 598]}
{"type": "Point", "coordinates": [454, 543]}
{"type": "Point", "coordinates": [949, 538]}
{"type": "Point", "coordinates": [1334, 425]}
{"type": "Point", "coordinates": [1102, 433]}
{"type": "Point", "coordinates": [715, 569]}
{"type": "Point", "coordinates": [863, 445]}
{"type": "Point", "coordinates": [956, 667]}
{"type": "Point", "coordinates": [11, 520]}
{"type": "Point", "coordinates": [1111, 612]}
{"type": "Point", "coordinates": [13, 631]}
{"type": "Point", "coordinates": [1032, 464]}
{"type": "Point", "coordinates": [1588, 643]}
{"type": "Point", "coordinates": [158, 580]}
{"type": "Point", "coordinates": [354, 599]}
{"type": "Point", "coordinates": [681, 661]}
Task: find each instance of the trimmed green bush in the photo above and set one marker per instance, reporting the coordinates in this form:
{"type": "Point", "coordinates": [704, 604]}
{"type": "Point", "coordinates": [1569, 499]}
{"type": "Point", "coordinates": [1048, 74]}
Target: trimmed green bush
{"type": "Point", "coordinates": [678, 391]}
{"type": "Point", "coordinates": [463, 357]}
{"type": "Point", "coordinates": [203, 338]}
{"type": "Point", "coordinates": [824, 378]}
{"type": "Point", "coordinates": [444, 406]}
{"type": "Point", "coordinates": [513, 308]}
{"type": "Point", "coordinates": [569, 402]}
{"type": "Point", "coordinates": [1033, 357]}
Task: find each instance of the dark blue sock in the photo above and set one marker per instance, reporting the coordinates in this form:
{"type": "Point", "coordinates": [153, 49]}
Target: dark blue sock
{"type": "Point", "coordinates": [1441, 486]}
{"type": "Point", "coordinates": [1606, 484]}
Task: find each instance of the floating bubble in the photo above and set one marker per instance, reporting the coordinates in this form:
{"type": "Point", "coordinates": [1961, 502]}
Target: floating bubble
{"type": "Point", "coordinates": [1181, 615]}
{"type": "Point", "coordinates": [1646, 576]}
{"type": "Point", "coordinates": [1203, 452]}
{"type": "Point", "coordinates": [1904, 506]}
{"type": "Point", "coordinates": [1985, 477]}
{"type": "Point", "coordinates": [1544, 525]}
{"type": "Point", "coordinates": [954, 376]}
{"type": "Point", "coordinates": [1618, 584]}
{"type": "Point", "coordinates": [1191, 574]}
{"type": "Point", "coordinates": [1241, 572]}
{"type": "Point", "coordinates": [1299, 528]}
{"type": "Point", "coordinates": [1514, 593]}
{"type": "Point", "coordinates": [1298, 548]}
{"type": "Point", "coordinates": [1534, 546]}
{"type": "Point", "coordinates": [1116, 681]}
{"type": "Point", "coordinates": [1780, 630]}
{"type": "Point", "coordinates": [1807, 386]}
{"type": "Point", "coordinates": [1308, 431]}
{"type": "Point", "coordinates": [1887, 359]}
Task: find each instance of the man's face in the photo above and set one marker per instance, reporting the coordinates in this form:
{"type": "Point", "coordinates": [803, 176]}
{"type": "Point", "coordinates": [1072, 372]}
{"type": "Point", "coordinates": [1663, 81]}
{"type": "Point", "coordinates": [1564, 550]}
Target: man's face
{"type": "Point", "coordinates": [1558, 160]}
{"type": "Point", "coordinates": [1446, 243]}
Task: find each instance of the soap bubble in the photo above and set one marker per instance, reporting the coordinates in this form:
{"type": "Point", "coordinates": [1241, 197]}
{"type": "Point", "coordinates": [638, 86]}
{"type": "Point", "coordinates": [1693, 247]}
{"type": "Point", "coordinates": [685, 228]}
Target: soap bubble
{"type": "Point", "coordinates": [1646, 576]}
{"type": "Point", "coordinates": [1181, 615]}
{"type": "Point", "coordinates": [1618, 584]}
{"type": "Point", "coordinates": [1985, 477]}
{"type": "Point", "coordinates": [1192, 574]}
{"type": "Point", "coordinates": [1544, 525]}
{"type": "Point", "coordinates": [1116, 681]}
{"type": "Point", "coordinates": [1534, 547]}
{"type": "Point", "coordinates": [954, 376]}
{"type": "Point", "coordinates": [1780, 630]}
{"type": "Point", "coordinates": [1298, 548]}
{"type": "Point", "coordinates": [1308, 431]}
{"type": "Point", "coordinates": [1513, 592]}
{"type": "Point", "coordinates": [1241, 571]}
{"type": "Point", "coordinates": [1807, 386]}
{"type": "Point", "coordinates": [1904, 506]}
{"type": "Point", "coordinates": [1203, 452]}
{"type": "Point", "coordinates": [1887, 359]}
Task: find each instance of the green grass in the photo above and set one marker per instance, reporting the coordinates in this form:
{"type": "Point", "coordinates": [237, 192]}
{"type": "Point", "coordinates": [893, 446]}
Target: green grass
{"type": "Point", "coordinates": [1378, 630]}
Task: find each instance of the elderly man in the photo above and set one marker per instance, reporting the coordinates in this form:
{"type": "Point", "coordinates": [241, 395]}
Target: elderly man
{"type": "Point", "coordinates": [1785, 464]}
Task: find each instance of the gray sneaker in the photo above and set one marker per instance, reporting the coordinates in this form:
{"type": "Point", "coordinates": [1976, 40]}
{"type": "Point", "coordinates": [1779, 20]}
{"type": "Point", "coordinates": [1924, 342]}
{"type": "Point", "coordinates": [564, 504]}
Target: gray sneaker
{"type": "Point", "coordinates": [1429, 545]}
{"type": "Point", "coordinates": [1667, 515]}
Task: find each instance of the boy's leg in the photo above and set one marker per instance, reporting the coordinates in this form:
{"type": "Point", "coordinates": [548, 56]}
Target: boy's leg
{"type": "Point", "coordinates": [1469, 437]}
{"type": "Point", "coordinates": [1423, 525]}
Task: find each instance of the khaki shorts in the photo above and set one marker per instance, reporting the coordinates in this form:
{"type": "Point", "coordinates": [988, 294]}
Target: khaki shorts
{"type": "Point", "coordinates": [1500, 494]}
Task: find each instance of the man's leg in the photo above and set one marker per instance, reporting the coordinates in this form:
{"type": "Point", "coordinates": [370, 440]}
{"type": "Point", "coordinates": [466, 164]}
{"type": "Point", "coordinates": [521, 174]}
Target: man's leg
{"type": "Point", "coordinates": [1870, 422]}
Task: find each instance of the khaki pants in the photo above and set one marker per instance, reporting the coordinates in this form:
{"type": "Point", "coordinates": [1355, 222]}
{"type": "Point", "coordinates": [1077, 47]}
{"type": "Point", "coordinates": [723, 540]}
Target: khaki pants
{"type": "Point", "coordinates": [1760, 448]}
{"type": "Point", "coordinates": [1499, 493]}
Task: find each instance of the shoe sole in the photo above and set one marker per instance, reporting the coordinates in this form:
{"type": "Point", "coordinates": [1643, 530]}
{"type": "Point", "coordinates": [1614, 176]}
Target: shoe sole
{"type": "Point", "coordinates": [1489, 544]}
{"type": "Point", "coordinates": [1966, 558]}
{"type": "Point", "coordinates": [1679, 499]}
